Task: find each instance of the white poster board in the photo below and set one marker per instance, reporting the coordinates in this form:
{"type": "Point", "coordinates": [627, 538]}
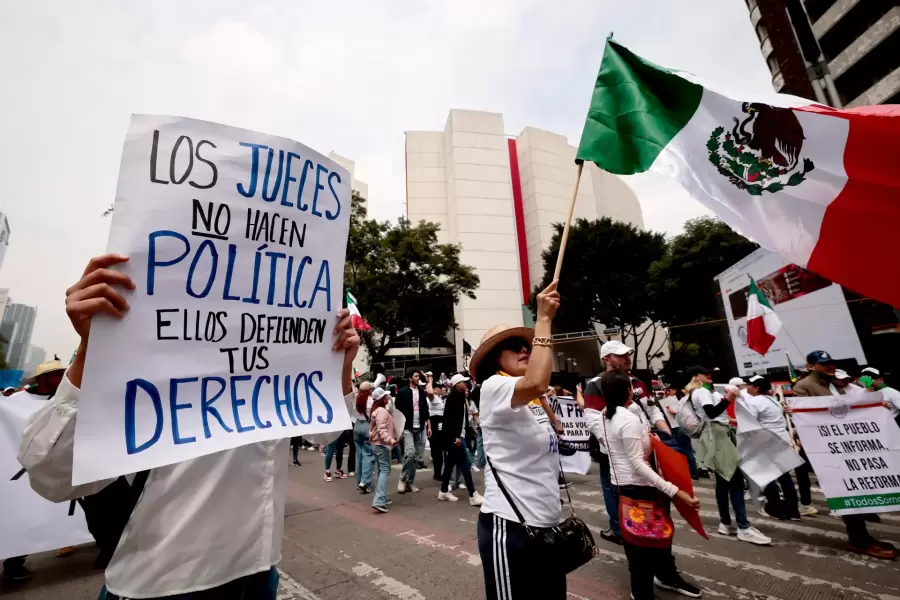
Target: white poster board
{"type": "Point", "coordinates": [813, 310]}
{"type": "Point", "coordinates": [854, 447]}
{"type": "Point", "coordinates": [575, 432]}
{"type": "Point", "coordinates": [29, 523]}
{"type": "Point", "coordinates": [236, 242]}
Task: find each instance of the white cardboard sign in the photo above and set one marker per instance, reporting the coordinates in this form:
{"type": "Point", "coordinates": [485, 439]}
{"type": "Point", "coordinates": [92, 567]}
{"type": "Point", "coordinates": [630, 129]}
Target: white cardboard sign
{"type": "Point", "coordinates": [236, 242]}
{"type": "Point", "coordinates": [29, 523]}
{"type": "Point", "coordinates": [854, 446]}
{"type": "Point", "coordinates": [575, 431]}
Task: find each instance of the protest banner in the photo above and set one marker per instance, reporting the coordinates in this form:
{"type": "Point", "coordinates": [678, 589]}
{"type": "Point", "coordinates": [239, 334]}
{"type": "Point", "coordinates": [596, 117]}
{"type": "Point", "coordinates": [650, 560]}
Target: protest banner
{"type": "Point", "coordinates": [236, 242]}
{"type": "Point", "coordinates": [576, 433]}
{"type": "Point", "coordinates": [765, 456]}
{"type": "Point", "coordinates": [29, 523]}
{"type": "Point", "coordinates": [854, 447]}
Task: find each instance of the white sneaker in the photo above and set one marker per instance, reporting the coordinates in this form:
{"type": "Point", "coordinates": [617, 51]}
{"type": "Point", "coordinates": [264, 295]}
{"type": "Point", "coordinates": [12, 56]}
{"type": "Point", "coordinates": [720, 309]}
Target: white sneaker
{"type": "Point", "coordinates": [447, 496]}
{"type": "Point", "coordinates": [476, 499]}
{"type": "Point", "coordinates": [450, 487]}
{"type": "Point", "coordinates": [411, 488]}
{"type": "Point", "coordinates": [753, 536]}
{"type": "Point", "coordinates": [401, 487]}
{"type": "Point", "coordinates": [807, 511]}
{"type": "Point", "coordinates": [475, 469]}
{"type": "Point", "coordinates": [762, 512]}
{"type": "Point", "coordinates": [727, 529]}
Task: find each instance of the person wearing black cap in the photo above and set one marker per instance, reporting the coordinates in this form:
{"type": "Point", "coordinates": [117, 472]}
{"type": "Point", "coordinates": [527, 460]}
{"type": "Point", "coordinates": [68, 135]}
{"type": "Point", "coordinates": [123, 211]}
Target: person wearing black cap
{"type": "Point", "coordinates": [766, 410]}
{"type": "Point", "coordinates": [717, 449]}
{"type": "Point", "coordinates": [820, 383]}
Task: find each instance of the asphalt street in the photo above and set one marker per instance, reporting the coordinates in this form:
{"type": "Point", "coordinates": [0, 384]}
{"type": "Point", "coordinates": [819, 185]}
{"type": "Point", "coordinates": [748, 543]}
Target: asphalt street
{"type": "Point", "coordinates": [336, 547]}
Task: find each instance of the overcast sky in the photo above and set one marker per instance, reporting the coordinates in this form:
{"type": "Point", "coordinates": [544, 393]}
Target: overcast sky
{"type": "Point", "coordinates": [350, 80]}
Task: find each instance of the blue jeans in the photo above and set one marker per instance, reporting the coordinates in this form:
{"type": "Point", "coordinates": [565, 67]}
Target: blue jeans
{"type": "Point", "coordinates": [480, 461]}
{"type": "Point", "coordinates": [413, 446]}
{"type": "Point", "coordinates": [684, 442]}
{"type": "Point", "coordinates": [610, 496]}
{"type": "Point", "coordinates": [733, 490]}
{"type": "Point", "coordinates": [259, 586]}
{"type": "Point", "coordinates": [335, 446]}
{"type": "Point", "coordinates": [457, 478]}
{"type": "Point", "coordinates": [365, 461]}
{"type": "Point", "coordinates": [382, 456]}
{"type": "Point", "coordinates": [456, 458]}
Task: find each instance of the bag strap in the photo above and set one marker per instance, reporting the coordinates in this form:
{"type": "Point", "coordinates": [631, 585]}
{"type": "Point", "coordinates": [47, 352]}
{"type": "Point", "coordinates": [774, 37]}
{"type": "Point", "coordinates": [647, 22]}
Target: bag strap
{"type": "Point", "coordinates": [506, 495]}
{"type": "Point", "coordinates": [566, 485]}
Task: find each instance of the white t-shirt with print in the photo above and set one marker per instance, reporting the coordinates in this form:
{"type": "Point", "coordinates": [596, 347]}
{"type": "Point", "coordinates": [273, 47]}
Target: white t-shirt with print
{"type": "Point", "coordinates": [524, 449]}
{"type": "Point", "coordinates": [768, 413]}
{"type": "Point", "coordinates": [436, 406]}
{"type": "Point", "coordinates": [415, 402]}
{"type": "Point", "coordinates": [703, 397]}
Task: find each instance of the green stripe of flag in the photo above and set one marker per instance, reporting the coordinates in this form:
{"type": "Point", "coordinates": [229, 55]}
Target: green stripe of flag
{"type": "Point", "coordinates": [755, 291]}
{"type": "Point", "coordinates": [636, 109]}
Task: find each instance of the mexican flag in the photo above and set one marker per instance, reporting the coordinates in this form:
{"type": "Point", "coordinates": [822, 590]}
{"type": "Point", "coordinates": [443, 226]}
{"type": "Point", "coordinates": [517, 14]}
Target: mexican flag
{"type": "Point", "coordinates": [817, 185]}
{"type": "Point", "coordinates": [763, 325]}
{"type": "Point", "coordinates": [355, 316]}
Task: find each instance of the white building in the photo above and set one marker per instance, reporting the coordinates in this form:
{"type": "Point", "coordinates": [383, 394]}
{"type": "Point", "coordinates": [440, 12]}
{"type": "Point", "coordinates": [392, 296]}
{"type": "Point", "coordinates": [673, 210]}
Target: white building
{"type": "Point", "coordinates": [4, 237]}
{"type": "Point", "coordinates": [356, 185]}
{"type": "Point", "coordinates": [498, 196]}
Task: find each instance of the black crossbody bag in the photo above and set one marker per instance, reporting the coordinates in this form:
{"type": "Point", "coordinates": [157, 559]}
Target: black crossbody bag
{"type": "Point", "coordinates": [572, 542]}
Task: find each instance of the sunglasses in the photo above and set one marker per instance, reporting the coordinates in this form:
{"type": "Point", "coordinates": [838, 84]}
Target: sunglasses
{"type": "Point", "coordinates": [514, 345]}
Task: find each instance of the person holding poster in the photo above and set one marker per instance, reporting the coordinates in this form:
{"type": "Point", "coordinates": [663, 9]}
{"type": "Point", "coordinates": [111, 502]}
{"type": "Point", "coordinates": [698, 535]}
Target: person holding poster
{"type": "Point", "coordinates": [626, 434]}
{"type": "Point", "coordinates": [209, 523]}
{"type": "Point", "coordinates": [819, 383]}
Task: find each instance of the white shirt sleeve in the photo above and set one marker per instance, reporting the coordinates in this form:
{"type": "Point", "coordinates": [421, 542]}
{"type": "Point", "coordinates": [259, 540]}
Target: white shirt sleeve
{"type": "Point", "coordinates": [633, 433]}
{"type": "Point", "coordinates": [47, 446]}
{"type": "Point", "coordinates": [496, 399]}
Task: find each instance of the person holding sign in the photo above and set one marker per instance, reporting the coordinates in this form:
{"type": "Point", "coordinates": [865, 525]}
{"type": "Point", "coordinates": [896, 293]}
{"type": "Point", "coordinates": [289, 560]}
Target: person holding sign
{"type": "Point", "coordinates": [820, 383]}
{"type": "Point", "coordinates": [209, 523]}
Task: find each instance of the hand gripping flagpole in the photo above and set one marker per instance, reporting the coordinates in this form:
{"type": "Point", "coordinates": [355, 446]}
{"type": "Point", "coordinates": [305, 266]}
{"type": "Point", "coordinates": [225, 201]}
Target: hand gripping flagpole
{"type": "Point", "coordinates": [565, 233]}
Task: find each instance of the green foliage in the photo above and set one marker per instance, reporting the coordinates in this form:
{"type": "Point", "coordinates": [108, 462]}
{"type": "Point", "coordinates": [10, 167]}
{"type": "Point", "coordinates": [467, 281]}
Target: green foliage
{"type": "Point", "coordinates": [682, 289]}
{"type": "Point", "coordinates": [404, 280]}
{"type": "Point", "coordinates": [604, 276]}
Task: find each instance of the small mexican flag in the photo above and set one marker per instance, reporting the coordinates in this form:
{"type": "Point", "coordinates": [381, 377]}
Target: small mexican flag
{"type": "Point", "coordinates": [355, 316]}
{"type": "Point", "coordinates": [792, 372]}
{"type": "Point", "coordinates": [763, 325]}
{"type": "Point", "coordinates": [817, 185]}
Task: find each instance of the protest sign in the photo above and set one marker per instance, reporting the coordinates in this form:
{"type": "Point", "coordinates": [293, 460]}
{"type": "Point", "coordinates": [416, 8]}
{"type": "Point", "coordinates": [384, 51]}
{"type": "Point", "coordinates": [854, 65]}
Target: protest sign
{"type": "Point", "coordinates": [29, 523]}
{"type": "Point", "coordinates": [236, 242]}
{"type": "Point", "coordinates": [854, 447]}
{"type": "Point", "coordinates": [765, 456]}
{"type": "Point", "coordinates": [575, 433]}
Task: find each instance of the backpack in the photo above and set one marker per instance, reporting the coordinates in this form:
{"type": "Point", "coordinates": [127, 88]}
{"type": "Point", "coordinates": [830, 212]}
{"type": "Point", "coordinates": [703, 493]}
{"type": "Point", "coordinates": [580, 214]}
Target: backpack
{"type": "Point", "coordinates": [108, 511]}
{"type": "Point", "coordinates": [688, 419]}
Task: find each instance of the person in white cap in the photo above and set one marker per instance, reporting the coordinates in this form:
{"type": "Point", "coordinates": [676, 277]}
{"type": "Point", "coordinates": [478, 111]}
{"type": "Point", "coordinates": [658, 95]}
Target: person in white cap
{"type": "Point", "coordinates": [875, 382]}
{"type": "Point", "coordinates": [383, 437]}
{"type": "Point", "coordinates": [844, 381]}
{"type": "Point", "coordinates": [454, 438]}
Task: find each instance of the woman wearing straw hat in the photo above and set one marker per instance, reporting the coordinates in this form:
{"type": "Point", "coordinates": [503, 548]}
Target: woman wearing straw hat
{"type": "Point", "coordinates": [513, 365]}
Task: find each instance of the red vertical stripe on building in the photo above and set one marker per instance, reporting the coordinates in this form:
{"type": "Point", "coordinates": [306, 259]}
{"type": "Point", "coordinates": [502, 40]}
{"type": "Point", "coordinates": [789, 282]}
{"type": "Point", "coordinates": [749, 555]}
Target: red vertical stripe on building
{"type": "Point", "coordinates": [520, 219]}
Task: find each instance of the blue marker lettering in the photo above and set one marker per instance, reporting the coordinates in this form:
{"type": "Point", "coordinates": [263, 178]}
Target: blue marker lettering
{"type": "Point", "coordinates": [175, 407]}
{"type": "Point", "coordinates": [254, 166]}
{"type": "Point", "coordinates": [152, 262]}
{"type": "Point", "coordinates": [238, 402]}
{"type": "Point", "coordinates": [131, 409]}
{"type": "Point", "coordinates": [206, 405]}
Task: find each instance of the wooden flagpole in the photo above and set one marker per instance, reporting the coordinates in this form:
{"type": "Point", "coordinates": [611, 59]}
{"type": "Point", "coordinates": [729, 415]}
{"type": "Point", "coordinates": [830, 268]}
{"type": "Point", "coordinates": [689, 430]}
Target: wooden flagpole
{"type": "Point", "coordinates": [790, 424]}
{"type": "Point", "coordinates": [565, 234]}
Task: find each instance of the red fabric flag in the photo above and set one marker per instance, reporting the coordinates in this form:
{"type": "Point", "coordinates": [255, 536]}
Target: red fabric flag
{"type": "Point", "coordinates": [673, 467]}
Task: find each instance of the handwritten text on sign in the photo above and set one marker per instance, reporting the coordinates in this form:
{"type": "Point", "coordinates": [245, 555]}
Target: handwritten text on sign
{"type": "Point", "coordinates": [854, 447]}
{"type": "Point", "coordinates": [575, 432]}
{"type": "Point", "coordinates": [236, 242]}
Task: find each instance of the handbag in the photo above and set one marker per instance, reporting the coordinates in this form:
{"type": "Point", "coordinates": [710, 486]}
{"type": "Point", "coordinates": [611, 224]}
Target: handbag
{"type": "Point", "coordinates": [644, 523]}
{"type": "Point", "coordinates": [572, 542]}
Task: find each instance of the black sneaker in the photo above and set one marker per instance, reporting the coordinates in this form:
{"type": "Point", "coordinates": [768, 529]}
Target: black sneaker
{"type": "Point", "coordinates": [16, 575]}
{"type": "Point", "coordinates": [679, 586]}
{"type": "Point", "coordinates": [296, 463]}
{"type": "Point", "coordinates": [610, 536]}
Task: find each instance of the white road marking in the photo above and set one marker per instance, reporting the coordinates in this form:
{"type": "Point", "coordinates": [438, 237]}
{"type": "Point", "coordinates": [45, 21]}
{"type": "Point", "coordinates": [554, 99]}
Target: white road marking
{"type": "Point", "coordinates": [290, 589]}
{"type": "Point", "coordinates": [427, 540]}
{"type": "Point", "coordinates": [771, 571]}
{"type": "Point", "coordinates": [389, 585]}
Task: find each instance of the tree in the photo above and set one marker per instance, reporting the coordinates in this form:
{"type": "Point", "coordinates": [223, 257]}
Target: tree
{"type": "Point", "coordinates": [405, 281]}
{"type": "Point", "coordinates": [684, 293]}
{"type": "Point", "coordinates": [604, 277]}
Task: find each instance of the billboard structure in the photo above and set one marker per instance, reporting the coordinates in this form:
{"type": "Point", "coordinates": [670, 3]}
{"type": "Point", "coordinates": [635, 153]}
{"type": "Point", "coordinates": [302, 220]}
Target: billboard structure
{"type": "Point", "coordinates": [813, 310]}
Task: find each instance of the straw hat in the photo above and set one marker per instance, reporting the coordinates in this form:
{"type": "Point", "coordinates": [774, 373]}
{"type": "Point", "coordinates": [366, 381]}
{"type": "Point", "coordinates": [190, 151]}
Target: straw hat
{"type": "Point", "coordinates": [48, 367]}
{"type": "Point", "coordinates": [491, 338]}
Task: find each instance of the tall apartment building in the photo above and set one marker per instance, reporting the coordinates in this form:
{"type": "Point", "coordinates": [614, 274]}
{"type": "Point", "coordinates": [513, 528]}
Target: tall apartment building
{"type": "Point", "coordinates": [845, 53]}
{"type": "Point", "coordinates": [356, 185]}
{"type": "Point", "coordinates": [498, 197]}
{"type": "Point", "coordinates": [17, 325]}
